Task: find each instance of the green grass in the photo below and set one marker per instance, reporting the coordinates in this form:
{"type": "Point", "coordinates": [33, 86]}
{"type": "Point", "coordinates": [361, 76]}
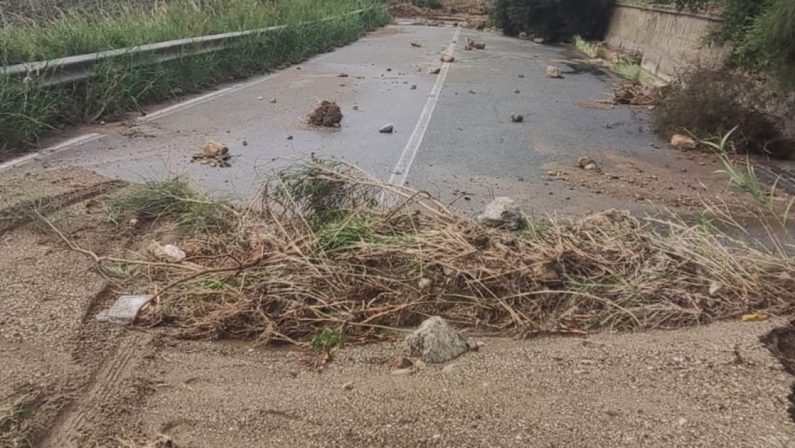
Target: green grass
{"type": "Point", "coordinates": [585, 47]}
{"type": "Point", "coordinates": [746, 179]}
{"type": "Point", "coordinates": [326, 339]}
{"type": "Point", "coordinates": [628, 70]}
{"type": "Point", "coordinates": [28, 109]}
{"type": "Point", "coordinates": [173, 199]}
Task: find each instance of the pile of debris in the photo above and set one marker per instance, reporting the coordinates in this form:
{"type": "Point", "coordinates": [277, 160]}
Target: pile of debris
{"type": "Point", "coordinates": [319, 252]}
{"type": "Point", "coordinates": [635, 94]}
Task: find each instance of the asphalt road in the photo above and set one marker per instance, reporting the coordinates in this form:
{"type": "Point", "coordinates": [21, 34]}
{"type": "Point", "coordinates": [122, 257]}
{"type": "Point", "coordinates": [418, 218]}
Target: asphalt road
{"type": "Point", "coordinates": [453, 132]}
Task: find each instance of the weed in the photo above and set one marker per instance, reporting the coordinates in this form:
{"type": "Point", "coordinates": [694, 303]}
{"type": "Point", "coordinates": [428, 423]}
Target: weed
{"type": "Point", "coordinates": [216, 283]}
{"type": "Point", "coordinates": [121, 271]}
{"type": "Point", "coordinates": [587, 48]}
{"type": "Point", "coordinates": [344, 235]}
{"type": "Point", "coordinates": [325, 340]}
{"type": "Point", "coordinates": [628, 70]}
{"type": "Point", "coordinates": [746, 179]}
{"type": "Point", "coordinates": [175, 199]}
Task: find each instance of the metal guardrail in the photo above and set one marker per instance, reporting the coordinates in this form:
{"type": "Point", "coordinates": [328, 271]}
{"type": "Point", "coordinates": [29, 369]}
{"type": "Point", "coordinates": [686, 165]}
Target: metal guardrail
{"type": "Point", "coordinates": [74, 68]}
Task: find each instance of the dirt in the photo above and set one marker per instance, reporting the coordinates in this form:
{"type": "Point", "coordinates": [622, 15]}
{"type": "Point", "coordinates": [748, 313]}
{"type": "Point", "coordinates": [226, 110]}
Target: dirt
{"type": "Point", "coordinates": [466, 13]}
{"type": "Point", "coordinates": [326, 114]}
{"type": "Point", "coordinates": [74, 381]}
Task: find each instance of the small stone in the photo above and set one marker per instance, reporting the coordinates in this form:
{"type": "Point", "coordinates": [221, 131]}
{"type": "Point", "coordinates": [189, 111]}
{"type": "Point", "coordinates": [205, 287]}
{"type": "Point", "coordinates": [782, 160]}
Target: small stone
{"type": "Point", "coordinates": [447, 58]}
{"type": "Point", "coordinates": [425, 283]}
{"type": "Point", "coordinates": [289, 137]}
{"type": "Point", "coordinates": [414, 87]}
{"type": "Point", "coordinates": [348, 386]}
{"type": "Point", "coordinates": [554, 72]}
{"type": "Point", "coordinates": [516, 91]}
{"type": "Point", "coordinates": [273, 100]}
{"type": "Point", "coordinates": [517, 118]}
{"type": "Point", "coordinates": [212, 148]}
{"type": "Point", "coordinates": [355, 107]}
{"type": "Point", "coordinates": [473, 345]}
{"type": "Point", "coordinates": [259, 98]}
{"type": "Point", "coordinates": [587, 164]}
{"type": "Point", "coordinates": [680, 141]}
{"type": "Point", "coordinates": [523, 35]}
{"type": "Point", "coordinates": [244, 143]}
{"type": "Point", "coordinates": [400, 362]}
{"type": "Point", "coordinates": [415, 45]}
{"type": "Point", "coordinates": [434, 70]}
{"type": "Point", "coordinates": [539, 40]}
{"type": "Point", "coordinates": [169, 252]}
{"type": "Point", "coordinates": [387, 129]}
{"type": "Point", "coordinates": [342, 75]}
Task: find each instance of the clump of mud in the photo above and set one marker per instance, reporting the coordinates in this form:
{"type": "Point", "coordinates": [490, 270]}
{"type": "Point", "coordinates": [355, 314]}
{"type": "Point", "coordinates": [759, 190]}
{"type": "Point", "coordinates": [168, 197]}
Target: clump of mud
{"type": "Point", "coordinates": [327, 114]}
{"type": "Point", "coordinates": [781, 344]}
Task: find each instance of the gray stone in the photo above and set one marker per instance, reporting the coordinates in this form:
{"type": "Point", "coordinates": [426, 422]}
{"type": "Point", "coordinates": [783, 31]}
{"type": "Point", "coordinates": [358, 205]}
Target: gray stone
{"type": "Point", "coordinates": [502, 213]}
{"type": "Point", "coordinates": [387, 129]}
{"type": "Point", "coordinates": [435, 341]}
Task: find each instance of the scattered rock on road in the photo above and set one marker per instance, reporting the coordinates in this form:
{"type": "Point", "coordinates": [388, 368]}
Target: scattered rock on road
{"type": "Point", "coordinates": [680, 141]}
{"type": "Point", "coordinates": [517, 118]}
{"type": "Point", "coordinates": [435, 70]}
{"type": "Point", "coordinates": [348, 386]}
{"type": "Point", "coordinates": [387, 129]}
{"type": "Point", "coordinates": [502, 213]}
{"type": "Point", "coordinates": [342, 75]}
{"type": "Point", "coordinates": [415, 45]}
{"type": "Point", "coordinates": [213, 154]}
{"type": "Point", "coordinates": [539, 40]}
{"type": "Point", "coordinates": [435, 341]}
{"type": "Point", "coordinates": [587, 164]}
{"type": "Point", "coordinates": [273, 100]}
{"type": "Point", "coordinates": [471, 44]}
{"type": "Point", "coordinates": [554, 72]}
{"type": "Point", "coordinates": [326, 114]}
{"type": "Point", "coordinates": [446, 57]}
{"type": "Point", "coordinates": [523, 35]}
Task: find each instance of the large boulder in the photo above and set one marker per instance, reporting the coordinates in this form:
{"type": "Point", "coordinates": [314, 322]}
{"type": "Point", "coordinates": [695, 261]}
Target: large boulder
{"type": "Point", "coordinates": [435, 341]}
{"type": "Point", "coordinates": [502, 213]}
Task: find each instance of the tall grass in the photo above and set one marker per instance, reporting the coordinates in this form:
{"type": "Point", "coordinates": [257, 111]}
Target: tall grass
{"type": "Point", "coordinates": [27, 109]}
{"type": "Point", "coordinates": [587, 48]}
{"type": "Point", "coordinates": [76, 32]}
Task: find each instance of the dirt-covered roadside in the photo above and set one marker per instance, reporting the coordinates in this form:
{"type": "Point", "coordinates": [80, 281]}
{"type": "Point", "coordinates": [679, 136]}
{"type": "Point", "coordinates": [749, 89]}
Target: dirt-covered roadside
{"type": "Point", "coordinates": [73, 381]}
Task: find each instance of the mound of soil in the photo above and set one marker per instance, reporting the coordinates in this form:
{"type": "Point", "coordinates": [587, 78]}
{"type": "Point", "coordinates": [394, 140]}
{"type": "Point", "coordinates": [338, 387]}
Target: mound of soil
{"type": "Point", "coordinates": [327, 114]}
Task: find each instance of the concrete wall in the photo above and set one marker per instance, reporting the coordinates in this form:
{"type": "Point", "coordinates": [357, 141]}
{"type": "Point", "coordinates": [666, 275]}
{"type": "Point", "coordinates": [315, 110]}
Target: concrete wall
{"type": "Point", "coordinates": [668, 39]}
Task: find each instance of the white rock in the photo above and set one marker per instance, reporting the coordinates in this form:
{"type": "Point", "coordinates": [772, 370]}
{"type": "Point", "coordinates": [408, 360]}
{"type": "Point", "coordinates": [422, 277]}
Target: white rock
{"type": "Point", "coordinates": [554, 72]}
{"type": "Point", "coordinates": [169, 252]}
{"type": "Point", "coordinates": [502, 213]}
{"type": "Point", "coordinates": [436, 342]}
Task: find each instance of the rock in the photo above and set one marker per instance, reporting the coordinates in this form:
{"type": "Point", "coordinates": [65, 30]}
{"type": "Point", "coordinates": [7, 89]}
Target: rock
{"type": "Point", "coordinates": [523, 35]}
{"type": "Point", "coordinates": [387, 129]}
{"type": "Point", "coordinates": [539, 40]}
{"type": "Point", "coordinates": [587, 164]}
{"type": "Point", "coordinates": [517, 118]}
{"type": "Point", "coordinates": [415, 45]}
{"type": "Point", "coordinates": [273, 100]}
{"type": "Point", "coordinates": [400, 362]}
{"type": "Point", "coordinates": [212, 148]}
{"type": "Point", "coordinates": [342, 75]}
{"type": "Point", "coordinates": [326, 114]}
{"type": "Point", "coordinates": [435, 341]}
{"type": "Point", "coordinates": [348, 386]}
{"type": "Point", "coordinates": [502, 213]}
{"type": "Point", "coordinates": [259, 98]}
{"type": "Point", "coordinates": [554, 72]}
{"type": "Point", "coordinates": [169, 252]}
{"type": "Point", "coordinates": [680, 141]}
{"type": "Point", "coordinates": [161, 441]}
{"type": "Point", "coordinates": [414, 87]}
{"type": "Point", "coordinates": [447, 57]}
{"type": "Point", "coordinates": [473, 345]}
{"type": "Point", "coordinates": [244, 143]}
{"type": "Point", "coordinates": [435, 70]}
{"type": "Point", "coordinates": [425, 283]}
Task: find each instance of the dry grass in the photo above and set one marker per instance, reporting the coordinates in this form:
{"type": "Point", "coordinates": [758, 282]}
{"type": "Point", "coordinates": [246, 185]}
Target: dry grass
{"type": "Point", "coordinates": [293, 265]}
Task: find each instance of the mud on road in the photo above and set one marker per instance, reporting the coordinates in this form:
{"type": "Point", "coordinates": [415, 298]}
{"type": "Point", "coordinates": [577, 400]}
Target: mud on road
{"type": "Point", "coordinates": [72, 381]}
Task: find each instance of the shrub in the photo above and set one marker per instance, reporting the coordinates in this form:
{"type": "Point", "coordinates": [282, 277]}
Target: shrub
{"type": "Point", "coordinates": [711, 102]}
{"type": "Point", "coordinates": [553, 19]}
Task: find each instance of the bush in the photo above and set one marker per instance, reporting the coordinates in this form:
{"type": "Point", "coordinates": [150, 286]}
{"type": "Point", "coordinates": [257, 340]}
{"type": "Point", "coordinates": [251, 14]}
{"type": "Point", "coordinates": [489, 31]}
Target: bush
{"type": "Point", "coordinates": [710, 102]}
{"type": "Point", "coordinates": [553, 20]}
